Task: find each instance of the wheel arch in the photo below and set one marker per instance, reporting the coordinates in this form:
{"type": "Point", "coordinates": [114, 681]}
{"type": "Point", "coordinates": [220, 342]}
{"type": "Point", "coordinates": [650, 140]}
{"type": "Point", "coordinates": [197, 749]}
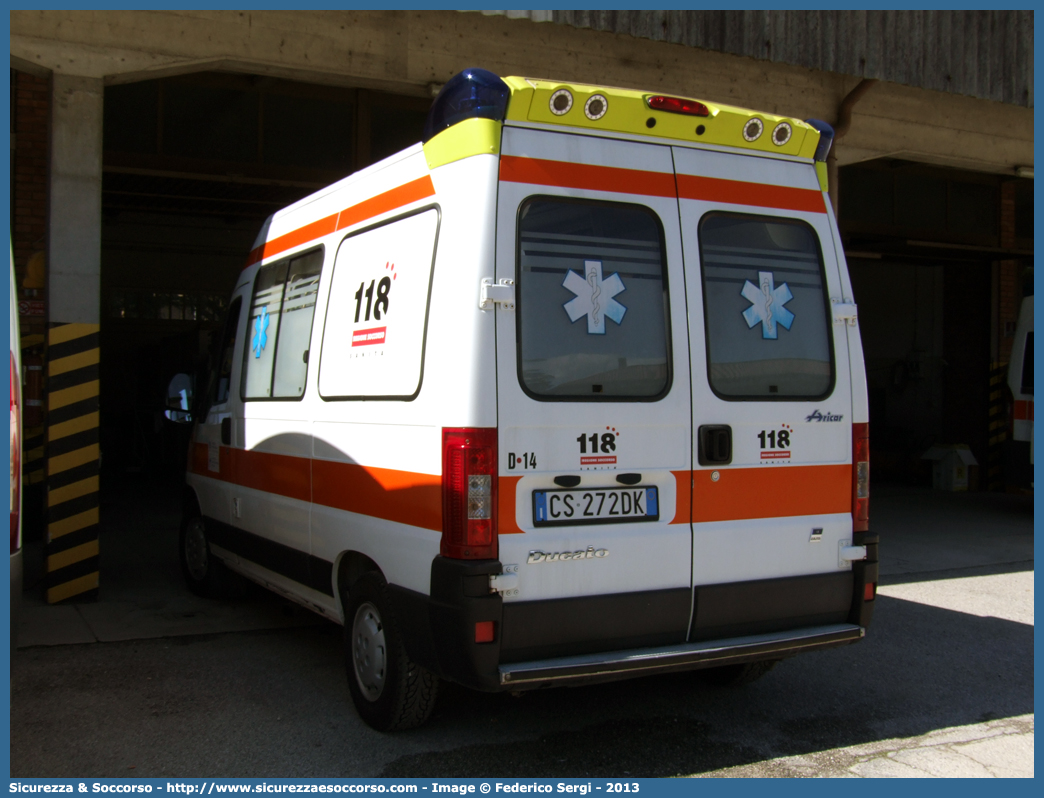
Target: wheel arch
{"type": "Point", "coordinates": [190, 505]}
{"type": "Point", "coordinates": [350, 567]}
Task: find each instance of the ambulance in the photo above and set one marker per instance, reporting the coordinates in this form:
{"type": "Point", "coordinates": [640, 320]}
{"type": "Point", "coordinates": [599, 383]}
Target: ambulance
{"type": "Point", "coordinates": [570, 392]}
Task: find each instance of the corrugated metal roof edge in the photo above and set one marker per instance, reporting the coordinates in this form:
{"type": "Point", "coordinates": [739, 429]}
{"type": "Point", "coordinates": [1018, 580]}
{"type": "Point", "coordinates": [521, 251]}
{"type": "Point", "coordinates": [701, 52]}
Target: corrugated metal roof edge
{"type": "Point", "coordinates": [984, 54]}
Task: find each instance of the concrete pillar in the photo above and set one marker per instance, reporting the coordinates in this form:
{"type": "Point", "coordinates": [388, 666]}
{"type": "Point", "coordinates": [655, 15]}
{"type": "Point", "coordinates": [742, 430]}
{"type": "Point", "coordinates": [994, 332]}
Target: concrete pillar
{"type": "Point", "coordinates": [75, 213]}
{"type": "Point", "coordinates": [73, 354]}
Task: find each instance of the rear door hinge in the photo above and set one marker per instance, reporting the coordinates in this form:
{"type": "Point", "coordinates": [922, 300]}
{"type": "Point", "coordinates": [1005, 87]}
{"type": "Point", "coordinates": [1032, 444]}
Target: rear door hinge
{"type": "Point", "coordinates": [506, 583]}
{"type": "Point", "coordinates": [500, 293]}
{"type": "Point", "coordinates": [847, 553]}
{"type": "Point", "coordinates": [845, 312]}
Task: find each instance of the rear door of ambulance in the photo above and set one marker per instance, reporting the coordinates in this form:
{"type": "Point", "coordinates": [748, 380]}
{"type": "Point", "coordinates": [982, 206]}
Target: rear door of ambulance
{"type": "Point", "coordinates": [772, 396]}
{"type": "Point", "coordinates": [593, 397]}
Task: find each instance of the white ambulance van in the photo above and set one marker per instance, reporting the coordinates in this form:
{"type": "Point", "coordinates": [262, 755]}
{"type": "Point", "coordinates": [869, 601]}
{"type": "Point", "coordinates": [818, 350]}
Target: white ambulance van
{"type": "Point", "coordinates": [572, 391]}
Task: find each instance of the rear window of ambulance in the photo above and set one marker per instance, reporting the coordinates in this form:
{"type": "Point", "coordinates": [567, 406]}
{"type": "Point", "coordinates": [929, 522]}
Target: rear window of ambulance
{"type": "Point", "coordinates": [765, 308]}
{"type": "Point", "coordinates": [592, 301]}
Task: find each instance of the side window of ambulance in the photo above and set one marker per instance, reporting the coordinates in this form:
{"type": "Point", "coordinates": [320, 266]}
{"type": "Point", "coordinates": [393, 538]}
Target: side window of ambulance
{"type": "Point", "coordinates": [592, 301]}
{"type": "Point", "coordinates": [295, 328]}
{"type": "Point", "coordinates": [377, 316]}
{"type": "Point", "coordinates": [279, 329]}
{"type": "Point", "coordinates": [221, 376]}
{"type": "Point", "coordinates": [765, 308]}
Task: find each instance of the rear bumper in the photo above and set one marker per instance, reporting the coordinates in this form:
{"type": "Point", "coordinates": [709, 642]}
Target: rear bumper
{"type": "Point", "coordinates": [615, 636]}
{"type": "Point", "coordinates": [614, 665]}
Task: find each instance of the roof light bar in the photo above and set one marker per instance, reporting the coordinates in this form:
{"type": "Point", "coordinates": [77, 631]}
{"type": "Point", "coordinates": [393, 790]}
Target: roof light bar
{"type": "Point", "coordinates": [677, 105]}
{"type": "Point", "coordinates": [826, 138]}
{"type": "Point", "coordinates": [473, 93]}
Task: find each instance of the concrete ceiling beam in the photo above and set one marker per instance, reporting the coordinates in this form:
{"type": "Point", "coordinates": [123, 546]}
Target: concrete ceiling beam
{"type": "Point", "coordinates": [408, 51]}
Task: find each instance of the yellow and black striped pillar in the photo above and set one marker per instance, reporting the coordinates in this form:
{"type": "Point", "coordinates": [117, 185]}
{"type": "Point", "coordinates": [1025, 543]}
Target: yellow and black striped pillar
{"type": "Point", "coordinates": [72, 462]}
{"type": "Point", "coordinates": [33, 455]}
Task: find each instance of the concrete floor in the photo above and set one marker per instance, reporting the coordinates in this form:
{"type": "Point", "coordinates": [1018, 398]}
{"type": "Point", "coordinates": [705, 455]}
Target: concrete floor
{"type": "Point", "coordinates": [143, 593]}
{"type": "Point", "coordinates": [942, 686]}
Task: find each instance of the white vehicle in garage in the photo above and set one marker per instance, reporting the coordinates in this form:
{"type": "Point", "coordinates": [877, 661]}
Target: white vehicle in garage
{"type": "Point", "coordinates": [572, 391]}
{"type": "Point", "coordinates": [1020, 386]}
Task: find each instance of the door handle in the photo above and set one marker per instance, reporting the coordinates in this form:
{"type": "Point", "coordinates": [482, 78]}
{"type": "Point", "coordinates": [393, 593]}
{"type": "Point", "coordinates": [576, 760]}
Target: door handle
{"type": "Point", "coordinates": [226, 431]}
{"type": "Point", "coordinates": [715, 444]}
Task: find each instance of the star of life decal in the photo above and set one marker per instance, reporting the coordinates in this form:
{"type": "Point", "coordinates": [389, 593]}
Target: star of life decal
{"type": "Point", "coordinates": [766, 305]}
{"type": "Point", "coordinates": [260, 332]}
{"type": "Point", "coordinates": [594, 297]}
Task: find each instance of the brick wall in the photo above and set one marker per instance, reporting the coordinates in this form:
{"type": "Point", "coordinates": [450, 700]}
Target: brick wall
{"type": "Point", "coordinates": [31, 110]}
{"type": "Point", "coordinates": [30, 156]}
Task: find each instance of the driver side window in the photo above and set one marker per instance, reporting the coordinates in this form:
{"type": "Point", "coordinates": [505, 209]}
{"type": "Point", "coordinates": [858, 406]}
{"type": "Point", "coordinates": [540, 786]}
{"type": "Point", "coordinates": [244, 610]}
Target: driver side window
{"type": "Point", "coordinates": [221, 376]}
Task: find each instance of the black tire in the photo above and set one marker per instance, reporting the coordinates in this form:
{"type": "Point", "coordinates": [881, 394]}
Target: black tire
{"type": "Point", "coordinates": [390, 691]}
{"type": "Point", "coordinates": [204, 573]}
{"type": "Point", "coordinates": [737, 675]}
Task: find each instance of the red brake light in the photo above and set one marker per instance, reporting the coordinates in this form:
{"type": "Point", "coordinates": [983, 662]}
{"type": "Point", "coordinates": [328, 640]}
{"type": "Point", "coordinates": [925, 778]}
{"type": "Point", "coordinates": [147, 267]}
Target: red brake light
{"type": "Point", "coordinates": [469, 494]}
{"type": "Point", "coordinates": [16, 460]}
{"type": "Point", "coordinates": [484, 632]}
{"type": "Point", "coordinates": [677, 105]}
{"type": "Point", "coordinates": [860, 477]}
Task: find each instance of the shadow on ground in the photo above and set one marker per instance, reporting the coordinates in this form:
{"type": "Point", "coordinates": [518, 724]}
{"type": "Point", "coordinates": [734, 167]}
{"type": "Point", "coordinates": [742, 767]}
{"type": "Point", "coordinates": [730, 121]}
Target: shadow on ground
{"type": "Point", "coordinates": [263, 701]}
{"type": "Point", "coordinates": [920, 668]}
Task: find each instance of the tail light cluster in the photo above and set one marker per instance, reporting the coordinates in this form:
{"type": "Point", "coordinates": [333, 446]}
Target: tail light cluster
{"type": "Point", "coordinates": [860, 477]}
{"type": "Point", "coordinates": [469, 494]}
{"type": "Point", "coordinates": [16, 459]}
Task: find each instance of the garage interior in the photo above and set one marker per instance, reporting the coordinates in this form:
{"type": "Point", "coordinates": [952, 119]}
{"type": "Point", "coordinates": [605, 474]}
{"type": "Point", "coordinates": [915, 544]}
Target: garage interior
{"type": "Point", "coordinates": [928, 249]}
{"type": "Point", "coordinates": [192, 164]}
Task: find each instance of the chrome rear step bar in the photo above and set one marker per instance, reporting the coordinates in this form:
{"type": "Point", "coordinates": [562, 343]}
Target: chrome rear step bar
{"type": "Point", "coordinates": [612, 665]}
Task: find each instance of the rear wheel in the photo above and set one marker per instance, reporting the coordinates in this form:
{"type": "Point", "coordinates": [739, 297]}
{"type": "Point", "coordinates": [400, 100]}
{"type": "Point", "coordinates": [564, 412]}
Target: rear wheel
{"type": "Point", "coordinates": [204, 573]}
{"type": "Point", "coordinates": [390, 691]}
{"type": "Point", "coordinates": [739, 674]}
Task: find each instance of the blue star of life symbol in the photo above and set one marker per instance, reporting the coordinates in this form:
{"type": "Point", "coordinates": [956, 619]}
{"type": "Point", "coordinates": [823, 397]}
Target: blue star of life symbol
{"type": "Point", "coordinates": [594, 297]}
{"type": "Point", "coordinates": [260, 332]}
{"type": "Point", "coordinates": [766, 305]}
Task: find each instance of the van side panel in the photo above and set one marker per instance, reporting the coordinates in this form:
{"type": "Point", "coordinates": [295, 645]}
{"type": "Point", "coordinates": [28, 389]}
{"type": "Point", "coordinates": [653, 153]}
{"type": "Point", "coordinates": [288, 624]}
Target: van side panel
{"type": "Point", "coordinates": [857, 364]}
{"type": "Point", "coordinates": [315, 478]}
{"type": "Point", "coordinates": [211, 471]}
{"type": "Point", "coordinates": [377, 463]}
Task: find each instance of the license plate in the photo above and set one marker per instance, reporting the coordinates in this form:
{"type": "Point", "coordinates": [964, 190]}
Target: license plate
{"type": "Point", "coordinates": [594, 506]}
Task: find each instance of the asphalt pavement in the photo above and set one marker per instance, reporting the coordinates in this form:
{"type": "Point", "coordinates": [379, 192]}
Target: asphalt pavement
{"type": "Point", "coordinates": [152, 681]}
